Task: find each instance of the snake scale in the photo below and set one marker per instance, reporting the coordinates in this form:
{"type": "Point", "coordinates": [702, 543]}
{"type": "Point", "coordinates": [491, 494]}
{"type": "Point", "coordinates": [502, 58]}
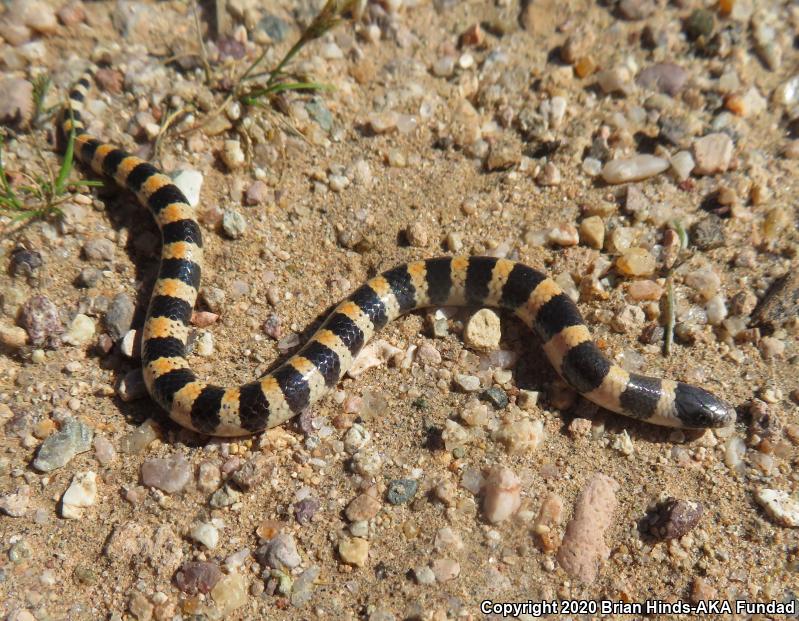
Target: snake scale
{"type": "Point", "coordinates": [319, 365]}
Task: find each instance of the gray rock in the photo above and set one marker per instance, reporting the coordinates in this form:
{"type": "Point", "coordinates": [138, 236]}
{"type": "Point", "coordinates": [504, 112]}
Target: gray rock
{"type": "Point", "coordinates": [305, 509]}
{"type": "Point", "coordinates": [233, 223]}
{"type": "Point", "coordinates": [224, 497]}
{"type": "Point", "coordinates": [16, 104]}
{"type": "Point", "coordinates": [275, 27]}
{"type": "Point", "coordinates": [119, 315]}
{"type": "Point", "coordinates": [665, 77]}
{"type": "Point", "coordinates": [100, 249]}
{"type": "Point", "coordinates": [197, 577]}
{"type": "Point", "coordinates": [401, 491]}
{"type": "Point", "coordinates": [279, 553]}
{"type": "Point", "coordinates": [708, 233]}
{"type": "Point", "coordinates": [58, 449]}
{"type": "Point", "coordinates": [302, 589]}
{"type": "Point", "coordinates": [169, 474]}
{"type": "Point", "coordinates": [89, 277]}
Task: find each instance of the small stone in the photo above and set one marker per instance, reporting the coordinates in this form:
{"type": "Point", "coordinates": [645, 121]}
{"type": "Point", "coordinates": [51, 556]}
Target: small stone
{"type": "Point", "coordinates": [548, 519]}
{"type": "Point", "coordinates": [563, 235]}
{"type": "Point", "coordinates": [583, 548]}
{"type": "Point", "coordinates": [428, 354]}
{"type": "Point", "coordinates": [197, 577]}
{"type": "Point", "coordinates": [59, 448]}
{"type": "Point", "coordinates": [444, 66]}
{"type": "Point", "coordinates": [305, 509]}
{"type": "Point", "coordinates": [629, 319]}
{"type": "Point", "coordinates": [502, 494]}
{"type": "Point", "coordinates": [100, 249]}
{"type": "Point", "coordinates": [446, 569]}
{"type": "Point", "coordinates": [708, 233]}
{"type": "Point", "coordinates": [636, 9]}
{"type": "Point", "coordinates": [119, 316]}
{"type": "Point", "coordinates": [636, 262]}
{"type": "Point", "coordinates": [16, 104]}
{"type": "Point", "coordinates": [205, 533]}
{"type": "Point", "coordinates": [616, 80]}
{"type": "Point", "coordinates": [716, 309]}
{"type": "Point", "coordinates": [302, 589]}
{"type": "Point", "coordinates": [401, 491]}
{"type": "Point", "coordinates": [40, 318]}
{"type": "Point", "coordinates": [771, 347]}
{"type": "Point", "coordinates": [169, 474]}
{"type": "Point", "coordinates": [483, 331]}
{"type": "Point", "coordinates": [416, 234]}
{"type": "Point", "coordinates": [140, 607]}
{"type": "Point", "coordinates": [354, 551]}
{"type": "Point", "coordinates": [497, 397]}
{"type": "Point", "coordinates": [674, 518]}
{"type": "Point", "coordinates": [467, 383]}
{"type": "Point", "coordinates": [645, 290]}
{"type": "Point", "coordinates": [230, 593]}
{"type": "Point", "coordinates": [704, 281]}
{"type": "Point", "coordinates": [362, 508]}
{"type": "Point", "coordinates": [682, 163]}
{"type": "Point", "coordinates": [592, 166]}
{"type": "Point", "coordinates": [80, 331]}
{"type": "Point", "coordinates": [279, 553]}
{"type": "Point", "coordinates": [13, 336]}
{"type": "Point", "coordinates": [712, 153]}
{"type": "Point", "coordinates": [140, 438]}
{"type": "Point", "coordinates": [190, 182]}
{"type": "Point", "coordinates": [16, 504]}
{"type": "Point", "coordinates": [592, 232]}
{"type": "Point", "coordinates": [233, 223]}
{"type": "Point", "coordinates": [233, 155]}
{"type": "Point", "coordinates": [25, 263]}
{"type": "Point", "coordinates": [81, 493]}
{"type": "Point", "coordinates": [503, 155]}
{"type": "Point", "coordinates": [424, 575]}
{"type": "Point", "coordinates": [667, 78]}
{"type": "Point", "coordinates": [699, 24]}
{"type": "Point", "coordinates": [383, 122]}
{"type": "Point", "coordinates": [549, 175]}
{"type": "Point", "coordinates": [780, 506]}
{"type": "Point", "coordinates": [636, 168]}
{"type": "Point", "coordinates": [72, 13]}
{"type": "Point", "coordinates": [104, 451]}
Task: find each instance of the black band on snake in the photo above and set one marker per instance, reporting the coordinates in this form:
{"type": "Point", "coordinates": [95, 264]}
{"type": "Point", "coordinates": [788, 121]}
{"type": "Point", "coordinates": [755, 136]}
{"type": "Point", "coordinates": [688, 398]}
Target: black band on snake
{"type": "Point", "coordinates": [319, 365]}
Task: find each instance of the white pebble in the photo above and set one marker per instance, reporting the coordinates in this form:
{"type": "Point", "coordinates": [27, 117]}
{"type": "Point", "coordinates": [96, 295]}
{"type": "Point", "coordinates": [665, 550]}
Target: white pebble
{"type": "Point", "coordinates": [682, 163]}
{"type": "Point", "coordinates": [205, 533]}
{"type": "Point", "coordinates": [483, 330]}
{"type": "Point", "coordinates": [636, 168]}
{"type": "Point", "coordinates": [81, 493]}
{"type": "Point", "coordinates": [502, 494]}
{"type": "Point", "coordinates": [189, 182]}
{"type": "Point", "coordinates": [80, 331]}
{"type": "Point", "coordinates": [780, 506]}
{"type": "Point", "coordinates": [232, 154]}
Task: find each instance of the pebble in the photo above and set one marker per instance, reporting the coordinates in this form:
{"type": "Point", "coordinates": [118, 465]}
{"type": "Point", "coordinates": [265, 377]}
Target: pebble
{"type": "Point", "coordinates": [636, 9]}
{"type": "Point", "coordinates": [592, 232]}
{"type": "Point", "coordinates": [682, 164]}
{"type": "Point", "coordinates": [13, 336]}
{"type": "Point", "coordinates": [15, 504]}
{"type": "Point", "coordinates": [140, 438]}
{"type": "Point", "coordinates": [583, 548]}
{"type": "Point", "coordinates": [383, 122]}
{"type": "Point", "coordinates": [674, 518]}
{"type": "Point", "coordinates": [704, 281]}
{"type": "Point", "coordinates": [362, 508]}
{"type": "Point", "coordinates": [279, 553]}
{"type": "Point", "coordinates": [257, 193]}
{"type": "Point", "coordinates": [497, 397]}
{"type": "Point", "coordinates": [712, 153]}
{"type": "Point", "coordinates": [233, 224]}
{"type": "Point", "coordinates": [716, 309]}
{"type": "Point", "coordinates": [503, 155]}
{"type": "Point", "coordinates": [305, 510]}
{"type": "Point", "coordinates": [616, 80]}
{"type": "Point", "coordinates": [446, 569]}
{"type": "Point", "coordinates": [25, 263]}
{"type": "Point", "coordinates": [781, 302]}
{"type": "Point", "coordinates": [303, 588]}
{"type": "Point", "coordinates": [119, 315]}
{"type": "Point", "coordinates": [444, 67]}
{"type": "Point", "coordinates": [547, 522]}
{"type": "Point", "coordinates": [81, 493]}
{"type": "Point", "coordinates": [99, 249]}
{"type": "Point", "coordinates": [140, 607]}
{"type": "Point", "coordinates": [428, 354]}
{"type": "Point", "coordinates": [224, 497]}
{"type": "Point", "coordinates": [636, 168]}
{"type": "Point", "coordinates": [629, 319]}
{"type": "Point", "coordinates": [72, 13]}
{"type": "Point", "coordinates": [483, 330]}
{"type": "Point", "coordinates": [205, 533]}
{"type": "Point", "coordinates": [354, 551]}
{"type": "Point", "coordinates": [523, 436]}
{"type": "Point", "coordinates": [501, 494]}
{"type": "Point", "coordinates": [169, 474]}
{"type": "Point", "coordinates": [59, 448]}
{"type": "Point", "coordinates": [197, 577]}
{"type": "Point", "coordinates": [401, 491]}
{"type": "Point", "coordinates": [190, 182]}
{"type": "Point", "coordinates": [40, 319]}
{"type": "Point", "coordinates": [780, 506]}
{"type": "Point", "coordinates": [230, 593]}
{"type": "Point", "coordinates": [80, 331]}
{"type": "Point", "coordinates": [16, 104]}
{"type": "Point", "coordinates": [373, 355]}
{"type": "Point", "coordinates": [563, 235]}
{"type": "Point", "coordinates": [233, 155]}
{"type": "Point", "coordinates": [424, 575]}
{"type": "Point", "coordinates": [549, 175]}
{"type": "Point", "coordinates": [699, 24]}
{"type": "Point", "coordinates": [104, 451]}
{"type": "Point", "coordinates": [89, 277]}
{"type": "Point", "coordinates": [667, 78]}
{"type": "Point", "coordinates": [467, 383]}
{"type": "Point", "coordinates": [417, 236]}
{"type": "Point", "coordinates": [636, 262]}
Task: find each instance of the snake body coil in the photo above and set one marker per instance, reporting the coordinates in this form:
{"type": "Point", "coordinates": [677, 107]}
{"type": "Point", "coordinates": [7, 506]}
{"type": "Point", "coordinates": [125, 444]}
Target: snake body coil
{"type": "Point", "coordinates": [474, 281]}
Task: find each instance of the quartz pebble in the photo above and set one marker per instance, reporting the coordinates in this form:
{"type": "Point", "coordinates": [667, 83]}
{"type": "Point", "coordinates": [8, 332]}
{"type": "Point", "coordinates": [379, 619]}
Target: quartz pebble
{"type": "Point", "coordinates": [169, 474]}
{"type": "Point", "coordinates": [230, 593]}
{"type": "Point", "coordinates": [362, 507]}
{"type": "Point", "coordinates": [616, 80]}
{"type": "Point", "coordinates": [206, 533]}
{"type": "Point", "coordinates": [636, 168]}
{"type": "Point", "coordinates": [190, 182]}
{"type": "Point", "coordinates": [140, 438]}
{"type": "Point", "coordinates": [15, 504]}
{"type": "Point", "coordinates": [501, 494]}
{"type": "Point", "coordinates": [81, 493]}
{"type": "Point", "coordinates": [682, 163]}
{"type": "Point", "coordinates": [104, 451]}
{"type": "Point", "coordinates": [483, 330]}
{"type": "Point", "coordinates": [197, 577]}
{"type": "Point", "coordinates": [280, 552]}
{"type": "Point", "coordinates": [592, 232]}
{"type": "Point", "coordinates": [233, 155]}
{"type": "Point", "coordinates": [59, 448]}
{"type": "Point", "coordinates": [80, 331]}
{"type": "Point", "coordinates": [636, 262]}
{"type": "Point", "coordinates": [446, 569]}
{"type": "Point", "coordinates": [302, 589]}
{"type": "Point", "coordinates": [712, 153]}
{"type": "Point", "coordinates": [354, 551]}
{"type": "Point", "coordinates": [523, 436]}
{"type": "Point", "coordinates": [667, 78]}
{"type": "Point", "coordinates": [780, 506]}
{"type": "Point", "coordinates": [233, 224]}
{"type": "Point", "coordinates": [583, 548]}
{"type": "Point", "coordinates": [547, 522]}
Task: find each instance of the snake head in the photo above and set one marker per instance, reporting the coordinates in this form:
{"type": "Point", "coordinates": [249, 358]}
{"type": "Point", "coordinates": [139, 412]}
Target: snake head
{"type": "Point", "coordinates": [697, 408]}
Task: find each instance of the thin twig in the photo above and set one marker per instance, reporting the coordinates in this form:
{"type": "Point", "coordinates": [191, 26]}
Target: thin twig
{"type": "Point", "coordinates": [203, 52]}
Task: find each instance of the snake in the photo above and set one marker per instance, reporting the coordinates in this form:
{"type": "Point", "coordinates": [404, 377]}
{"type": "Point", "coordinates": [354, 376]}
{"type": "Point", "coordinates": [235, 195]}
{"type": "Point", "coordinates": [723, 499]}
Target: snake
{"type": "Point", "coordinates": [286, 391]}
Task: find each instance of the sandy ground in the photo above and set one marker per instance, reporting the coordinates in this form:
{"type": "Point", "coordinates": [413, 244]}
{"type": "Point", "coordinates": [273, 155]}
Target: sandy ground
{"type": "Point", "coordinates": [443, 140]}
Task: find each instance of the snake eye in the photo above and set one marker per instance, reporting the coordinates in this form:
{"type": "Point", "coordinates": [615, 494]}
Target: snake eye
{"type": "Point", "coordinates": [699, 408]}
